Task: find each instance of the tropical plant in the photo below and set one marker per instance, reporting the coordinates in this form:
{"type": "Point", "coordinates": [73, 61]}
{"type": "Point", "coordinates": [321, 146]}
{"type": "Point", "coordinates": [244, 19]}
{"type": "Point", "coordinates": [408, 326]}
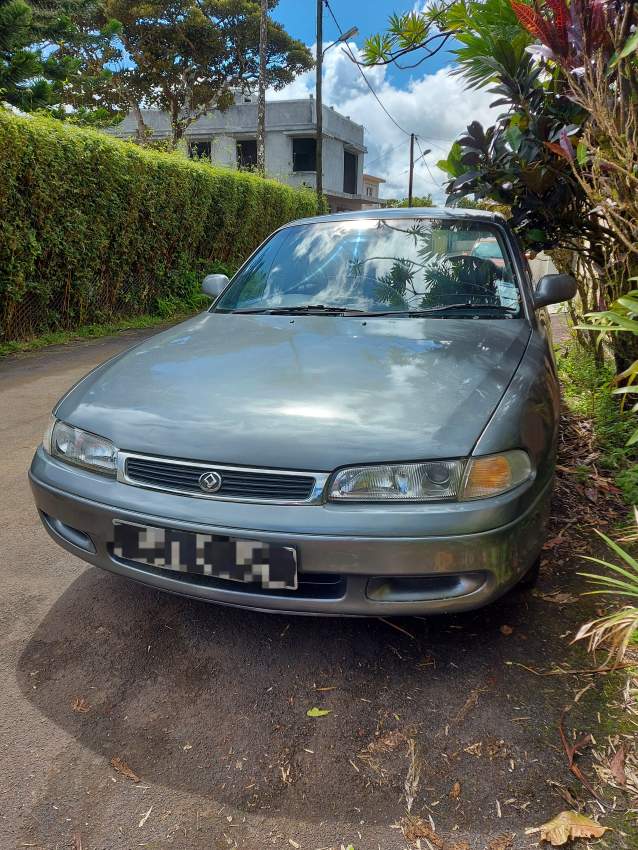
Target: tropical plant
{"type": "Point", "coordinates": [619, 319]}
{"type": "Point", "coordinates": [616, 629]}
{"type": "Point", "coordinates": [564, 152]}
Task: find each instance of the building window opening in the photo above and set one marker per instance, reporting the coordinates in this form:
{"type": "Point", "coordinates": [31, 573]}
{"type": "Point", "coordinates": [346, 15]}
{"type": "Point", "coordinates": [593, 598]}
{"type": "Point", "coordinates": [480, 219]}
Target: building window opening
{"type": "Point", "coordinates": [304, 154]}
{"type": "Point", "coordinates": [247, 153]}
{"type": "Point", "coordinates": [350, 173]}
{"type": "Point", "coordinates": [199, 150]}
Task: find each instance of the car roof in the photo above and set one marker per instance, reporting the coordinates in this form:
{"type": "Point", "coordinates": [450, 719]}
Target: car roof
{"type": "Point", "coordinates": [446, 213]}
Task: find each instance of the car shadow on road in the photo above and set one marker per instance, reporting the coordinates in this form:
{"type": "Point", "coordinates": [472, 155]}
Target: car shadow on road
{"type": "Point", "coordinates": [214, 701]}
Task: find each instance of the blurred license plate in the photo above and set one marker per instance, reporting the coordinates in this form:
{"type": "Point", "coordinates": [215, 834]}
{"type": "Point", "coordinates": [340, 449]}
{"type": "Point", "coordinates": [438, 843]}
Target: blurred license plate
{"type": "Point", "coordinates": [230, 558]}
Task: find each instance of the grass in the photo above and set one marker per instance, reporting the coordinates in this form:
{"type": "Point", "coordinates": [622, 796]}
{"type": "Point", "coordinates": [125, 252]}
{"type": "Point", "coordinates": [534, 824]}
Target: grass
{"type": "Point", "coordinates": [587, 390]}
{"type": "Point", "coordinates": [89, 332]}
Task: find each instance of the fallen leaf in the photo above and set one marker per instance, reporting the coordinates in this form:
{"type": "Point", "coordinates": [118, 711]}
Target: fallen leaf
{"type": "Point", "coordinates": [455, 791]}
{"type": "Point", "coordinates": [559, 597]}
{"type": "Point", "coordinates": [506, 630]}
{"type": "Point", "coordinates": [77, 842]}
{"type": "Point", "coordinates": [81, 705]}
{"type": "Point", "coordinates": [294, 843]}
{"type": "Point", "coordinates": [617, 766]}
{"type": "Point", "coordinates": [414, 828]}
{"type": "Point", "coordinates": [501, 842]}
{"type": "Point", "coordinates": [567, 826]}
{"type": "Point", "coordinates": [318, 712]}
{"type": "Point", "coordinates": [123, 768]}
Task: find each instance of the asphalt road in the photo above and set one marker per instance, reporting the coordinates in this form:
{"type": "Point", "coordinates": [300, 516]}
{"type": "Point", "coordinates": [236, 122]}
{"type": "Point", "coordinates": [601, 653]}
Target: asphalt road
{"type": "Point", "coordinates": [207, 706]}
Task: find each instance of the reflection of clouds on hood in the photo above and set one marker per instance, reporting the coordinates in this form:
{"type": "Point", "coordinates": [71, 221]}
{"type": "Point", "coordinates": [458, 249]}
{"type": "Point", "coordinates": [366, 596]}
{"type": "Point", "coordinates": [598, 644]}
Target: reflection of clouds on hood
{"type": "Point", "coordinates": [435, 106]}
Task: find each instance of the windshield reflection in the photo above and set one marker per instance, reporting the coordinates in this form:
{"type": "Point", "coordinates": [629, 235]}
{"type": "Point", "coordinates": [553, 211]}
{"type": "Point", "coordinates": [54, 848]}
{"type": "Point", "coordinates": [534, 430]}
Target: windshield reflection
{"type": "Point", "coordinates": [376, 266]}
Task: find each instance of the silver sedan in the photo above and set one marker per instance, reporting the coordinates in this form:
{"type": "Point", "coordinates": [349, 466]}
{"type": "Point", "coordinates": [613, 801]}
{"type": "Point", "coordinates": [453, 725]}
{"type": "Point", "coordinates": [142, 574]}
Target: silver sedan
{"type": "Point", "coordinates": [363, 422]}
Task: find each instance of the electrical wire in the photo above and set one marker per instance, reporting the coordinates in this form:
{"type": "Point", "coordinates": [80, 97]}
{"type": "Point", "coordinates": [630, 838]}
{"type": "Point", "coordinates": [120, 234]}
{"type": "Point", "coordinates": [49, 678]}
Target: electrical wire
{"type": "Point", "coordinates": [384, 155]}
{"type": "Point", "coordinates": [436, 182]}
{"type": "Point", "coordinates": [367, 82]}
{"type": "Point", "coordinates": [374, 94]}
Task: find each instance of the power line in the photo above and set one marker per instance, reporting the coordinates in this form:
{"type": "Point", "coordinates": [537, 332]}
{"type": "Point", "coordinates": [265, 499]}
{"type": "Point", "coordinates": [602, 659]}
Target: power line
{"type": "Point", "coordinates": [374, 94]}
{"type": "Point", "coordinates": [367, 82]}
{"type": "Point", "coordinates": [384, 155]}
{"type": "Point", "coordinates": [438, 183]}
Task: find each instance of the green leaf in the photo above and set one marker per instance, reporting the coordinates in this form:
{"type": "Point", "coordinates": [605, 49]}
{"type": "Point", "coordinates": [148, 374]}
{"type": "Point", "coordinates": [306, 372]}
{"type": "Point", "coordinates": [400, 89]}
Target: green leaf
{"type": "Point", "coordinates": [514, 137]}
{"type": "Point", "coordinates": [318, 712]}
{"type": "Point", "coordinates": [581, 153]}
{"type": "Point", "coordinates": [630, 45]}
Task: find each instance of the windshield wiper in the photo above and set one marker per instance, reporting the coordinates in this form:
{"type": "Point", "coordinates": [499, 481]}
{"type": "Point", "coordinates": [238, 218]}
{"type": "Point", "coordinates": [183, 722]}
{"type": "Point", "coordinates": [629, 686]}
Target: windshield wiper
{"type": "Point", "coordinates": [427, 311]}
{"type": "Point", "coordinates": [309, 309]}
{"type": "Point", "coordinates": [302, 309]}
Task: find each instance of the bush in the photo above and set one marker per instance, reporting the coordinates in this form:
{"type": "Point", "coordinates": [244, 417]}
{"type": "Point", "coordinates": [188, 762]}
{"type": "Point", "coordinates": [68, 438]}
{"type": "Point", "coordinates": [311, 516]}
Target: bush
{"type": "Point", "coordinates": [92, 228]}
{"type": "Point", "coordinates": [588, 391]}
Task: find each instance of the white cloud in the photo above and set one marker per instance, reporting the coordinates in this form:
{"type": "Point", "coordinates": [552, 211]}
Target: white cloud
{"type": "Point", "coordinates": [435, 106]}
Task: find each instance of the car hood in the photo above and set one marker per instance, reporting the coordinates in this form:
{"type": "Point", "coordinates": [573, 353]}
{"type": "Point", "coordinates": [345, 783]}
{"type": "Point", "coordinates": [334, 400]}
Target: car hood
{"type": "Point", "coordinates": [309, 392]}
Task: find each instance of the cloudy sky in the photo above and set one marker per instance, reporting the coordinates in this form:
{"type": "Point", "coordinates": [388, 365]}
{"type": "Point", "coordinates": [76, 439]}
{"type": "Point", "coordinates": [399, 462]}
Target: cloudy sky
{"type": "Point", "coordinates": [427, 100]}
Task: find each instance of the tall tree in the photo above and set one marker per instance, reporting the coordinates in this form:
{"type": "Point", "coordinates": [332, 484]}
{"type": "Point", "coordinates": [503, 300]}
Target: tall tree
{"type": "Point", "coordinates": [32, 74]}
{"type": "Point", "coordinates": [181, 56]}
{"type": "Point", "coordinates": [261, 102]}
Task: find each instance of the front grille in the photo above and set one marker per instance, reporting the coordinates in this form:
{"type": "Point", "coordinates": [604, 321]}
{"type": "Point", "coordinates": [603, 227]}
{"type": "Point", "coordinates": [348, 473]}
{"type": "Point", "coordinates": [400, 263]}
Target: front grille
{"type": "Point", "coordinates": [237, 483]}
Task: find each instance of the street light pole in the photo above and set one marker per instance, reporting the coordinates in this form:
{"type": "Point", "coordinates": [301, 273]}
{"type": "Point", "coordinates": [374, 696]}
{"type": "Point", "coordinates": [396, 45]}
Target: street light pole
{"type": "Point", "coordinates": [319, 107]}
{"type": "Point", "coordinates": [411, 180]}
{"type": "Point", "coordinates": [318, 95]}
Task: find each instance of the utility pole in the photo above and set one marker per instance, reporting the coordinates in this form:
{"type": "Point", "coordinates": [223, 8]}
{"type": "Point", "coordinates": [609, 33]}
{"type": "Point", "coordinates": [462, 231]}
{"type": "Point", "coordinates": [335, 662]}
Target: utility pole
{"type": "Point", "coordinates": [261, 97]}
{"type": "Point", "coordinates": [411, 169]}
{"type": "Point", "coordinates": [319, 105]}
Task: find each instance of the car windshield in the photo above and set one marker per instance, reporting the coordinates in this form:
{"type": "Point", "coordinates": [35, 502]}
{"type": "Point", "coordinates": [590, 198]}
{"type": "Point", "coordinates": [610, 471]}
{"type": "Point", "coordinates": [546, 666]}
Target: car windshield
{"type": "Point", "coordinates": [376, 266]}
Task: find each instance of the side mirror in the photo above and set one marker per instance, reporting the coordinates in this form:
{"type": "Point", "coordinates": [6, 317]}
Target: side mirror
{"type": "Point", "coordinates": [214, 284]}
{"type": "Point", "coordinates": [554, 288]}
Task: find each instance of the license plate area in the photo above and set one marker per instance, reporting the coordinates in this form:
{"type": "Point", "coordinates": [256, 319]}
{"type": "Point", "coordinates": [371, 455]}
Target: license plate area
{"type": "Point", "coordinates": [227, 558]}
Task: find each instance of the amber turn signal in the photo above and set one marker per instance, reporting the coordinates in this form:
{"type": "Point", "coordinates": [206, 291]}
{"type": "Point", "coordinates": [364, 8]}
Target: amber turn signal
{"type": "Point", "coordinates": [495, 474]}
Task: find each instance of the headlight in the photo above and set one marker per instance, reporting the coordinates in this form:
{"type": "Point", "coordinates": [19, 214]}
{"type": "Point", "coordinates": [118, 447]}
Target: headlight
{"type": "Point", "coordinates": [405, 482]}
{"type": "Point", "coordinates": [80, 447]}
{"type": "Point", "coordinates": [495, 474]}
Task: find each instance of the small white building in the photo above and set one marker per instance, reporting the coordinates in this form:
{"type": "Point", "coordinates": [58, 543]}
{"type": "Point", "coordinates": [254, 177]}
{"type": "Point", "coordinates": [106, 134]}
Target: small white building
{"type": "Point", "coordinates": [371, 199]}
{"type": "Point", "coordinates": [229, 138]}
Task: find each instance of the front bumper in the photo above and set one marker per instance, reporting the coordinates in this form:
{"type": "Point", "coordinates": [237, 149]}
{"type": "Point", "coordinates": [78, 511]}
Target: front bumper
{"type": "Point", "coordinates": [365, 560]}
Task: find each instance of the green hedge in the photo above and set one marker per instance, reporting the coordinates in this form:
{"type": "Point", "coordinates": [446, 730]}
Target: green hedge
{"type": "Point", "coordinates": [93, 228]}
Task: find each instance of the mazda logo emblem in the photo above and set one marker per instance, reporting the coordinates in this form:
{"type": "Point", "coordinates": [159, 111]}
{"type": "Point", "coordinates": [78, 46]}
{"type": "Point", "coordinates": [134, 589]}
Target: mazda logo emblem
{"type": "Point", "coordinates": [210, 482]}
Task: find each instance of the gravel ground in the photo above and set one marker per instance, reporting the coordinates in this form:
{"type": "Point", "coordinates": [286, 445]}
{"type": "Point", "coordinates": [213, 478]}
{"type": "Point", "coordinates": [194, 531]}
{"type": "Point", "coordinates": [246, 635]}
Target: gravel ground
{"type": "Point", "coordinates": [206, 706]}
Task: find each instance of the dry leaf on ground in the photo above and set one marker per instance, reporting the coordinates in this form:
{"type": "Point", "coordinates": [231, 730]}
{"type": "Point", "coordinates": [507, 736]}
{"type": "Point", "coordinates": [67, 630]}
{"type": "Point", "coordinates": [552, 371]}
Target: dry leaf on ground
{"type": "Point", "coordinates": [414, 828]}
{"type": "Point", "coordinates": [501, 842]}
{"type": "Point", "coordinates": [81, 705]}
{"type": "Point", "coordinates": [506, 630]}
{"type": "Point", "coordinates": [559, 597]}
{"type": "Point", "coordinates": [455, 791]}
{"type": "Point", "coordinates": [567, 826]}
{"type": "Point", "coordinates": [123, 768]}
{"type": "Point", "coordinates": [617, 766]}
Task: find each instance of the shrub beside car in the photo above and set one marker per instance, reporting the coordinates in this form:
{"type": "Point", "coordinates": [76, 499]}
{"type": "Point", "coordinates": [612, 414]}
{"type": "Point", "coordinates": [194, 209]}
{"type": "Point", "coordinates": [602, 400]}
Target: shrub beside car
{"type": "Point", "coordinates": [92, 228]}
